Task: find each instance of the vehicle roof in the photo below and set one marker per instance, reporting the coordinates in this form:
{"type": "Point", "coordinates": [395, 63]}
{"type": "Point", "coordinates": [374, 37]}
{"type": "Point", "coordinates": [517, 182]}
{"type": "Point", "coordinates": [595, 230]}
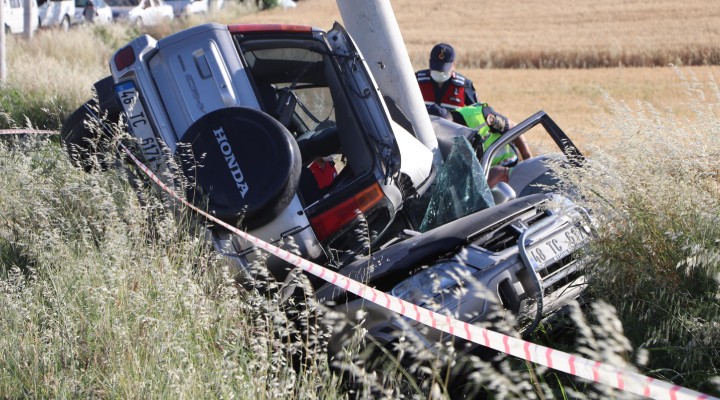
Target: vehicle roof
{"type": "Point", "coordinates": [269, 28]}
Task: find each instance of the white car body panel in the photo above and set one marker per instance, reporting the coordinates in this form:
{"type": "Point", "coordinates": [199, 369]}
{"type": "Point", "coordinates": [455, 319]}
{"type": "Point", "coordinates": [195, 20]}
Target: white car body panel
{"type": "Point", "coordinates": [52, 13]}
{"type": "Point", "coordinates": [145, 12]}
{"type": "Point", "coordinates": [184, 8]}
{"type": "Point", "coordinates": [15, 16]}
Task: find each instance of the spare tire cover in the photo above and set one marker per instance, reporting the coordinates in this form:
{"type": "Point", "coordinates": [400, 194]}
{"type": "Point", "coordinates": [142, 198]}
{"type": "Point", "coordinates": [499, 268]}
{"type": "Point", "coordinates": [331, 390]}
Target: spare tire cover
{"type": "Point", "coordinates": [241, 164]}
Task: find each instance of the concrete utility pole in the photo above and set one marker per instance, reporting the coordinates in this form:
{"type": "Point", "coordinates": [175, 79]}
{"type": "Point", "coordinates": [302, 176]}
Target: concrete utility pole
{"type": "Point", "coordinates": [3, 66]}
{"type": "Point", "coordinates": [28, 18]}
{"type": "Point", "coordinates": [374, 28]}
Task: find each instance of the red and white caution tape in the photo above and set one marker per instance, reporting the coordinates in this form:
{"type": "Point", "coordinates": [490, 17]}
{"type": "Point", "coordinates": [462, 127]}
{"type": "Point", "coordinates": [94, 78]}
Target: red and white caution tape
{"type": "Point", "coordinates": [561, 361]}
{"type": "Point", "coordinates": [575, 365]}
{"type": "Point", "coordinates": [26, 131]}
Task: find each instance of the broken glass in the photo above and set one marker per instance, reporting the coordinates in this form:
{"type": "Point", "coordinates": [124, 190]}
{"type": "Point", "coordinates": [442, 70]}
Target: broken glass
{"type": "Point", "coordinates": [460, 188]}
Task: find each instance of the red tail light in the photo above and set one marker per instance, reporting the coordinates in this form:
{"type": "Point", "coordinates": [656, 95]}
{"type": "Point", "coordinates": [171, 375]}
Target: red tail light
{"type": "Point", "coordinates": [332, 220]}
{"type": "Point", "coordinates": [124, 58]}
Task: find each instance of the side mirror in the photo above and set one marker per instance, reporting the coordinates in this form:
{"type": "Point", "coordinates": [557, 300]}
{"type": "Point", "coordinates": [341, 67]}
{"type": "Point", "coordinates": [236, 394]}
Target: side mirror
{"type": "Point", "coordinates": [502, 193]}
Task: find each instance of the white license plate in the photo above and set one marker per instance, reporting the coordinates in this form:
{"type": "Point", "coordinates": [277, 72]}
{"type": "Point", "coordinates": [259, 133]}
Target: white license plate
{"type": "Point", "coordinates": [139, 123]}
{"type": "Point", "coordinates": [558, 246]}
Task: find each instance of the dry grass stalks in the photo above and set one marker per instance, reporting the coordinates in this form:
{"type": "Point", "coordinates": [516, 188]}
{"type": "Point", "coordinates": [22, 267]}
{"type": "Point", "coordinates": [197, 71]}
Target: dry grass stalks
{"type": "Point", "coordinates": [104, 299]}
{"type": "Point", "coordinates": [655, 193]}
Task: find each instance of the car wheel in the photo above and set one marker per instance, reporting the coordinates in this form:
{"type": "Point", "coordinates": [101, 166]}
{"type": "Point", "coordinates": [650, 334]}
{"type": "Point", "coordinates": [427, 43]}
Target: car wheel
{"type": "Point", "coordinates": [240, 163]}
{"type": "Point", "coordinates": [106, 97]}
{"type": "Point", "coordinates": [80, 140]}
{"type": "Point", "coordinates": [86, 143]}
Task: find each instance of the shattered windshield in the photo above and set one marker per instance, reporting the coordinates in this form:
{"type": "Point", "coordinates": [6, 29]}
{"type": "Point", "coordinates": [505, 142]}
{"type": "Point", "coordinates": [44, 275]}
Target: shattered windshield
{"type": "Point", "coordinates": [460, 188]}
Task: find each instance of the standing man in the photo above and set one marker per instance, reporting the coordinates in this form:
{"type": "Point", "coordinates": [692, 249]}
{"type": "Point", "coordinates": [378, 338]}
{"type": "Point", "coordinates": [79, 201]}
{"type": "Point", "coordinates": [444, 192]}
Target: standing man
{"type": "Point", "coordinates": [89, 12]}
{"type": "Point", "coordinates": [443, 86]}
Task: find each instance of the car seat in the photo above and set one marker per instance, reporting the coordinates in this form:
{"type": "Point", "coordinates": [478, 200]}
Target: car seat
{"type": "Point", "coordinates": [267, 96]}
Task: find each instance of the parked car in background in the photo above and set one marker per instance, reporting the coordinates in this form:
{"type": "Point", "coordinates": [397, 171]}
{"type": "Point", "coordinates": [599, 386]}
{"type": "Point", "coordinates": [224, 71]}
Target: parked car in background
{"type": "Point", "coordinates": [66, 13]}
{"type": "Point", "coordinates": [15, 16]}
{"type": "Point", "coordinates": [141, 12]}
{"type": "Point", "coordinates": [102, 12]}
{"type": "Point", "coordinates": [184, 8]}
{"type": "Point", "coordinates": [56, 13]}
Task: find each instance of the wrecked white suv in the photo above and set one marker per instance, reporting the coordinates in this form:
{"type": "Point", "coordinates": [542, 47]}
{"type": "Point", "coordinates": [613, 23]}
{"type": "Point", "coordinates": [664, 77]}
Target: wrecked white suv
{"type": "Point", "coordinates": [232, 116]}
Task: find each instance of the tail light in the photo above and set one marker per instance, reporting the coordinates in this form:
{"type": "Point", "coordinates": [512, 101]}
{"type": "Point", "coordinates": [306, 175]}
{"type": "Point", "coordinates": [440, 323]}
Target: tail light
{"type": "Point", "coordinates": [124, 58]}
{"type": "Point", "coordinates": [334, 219]}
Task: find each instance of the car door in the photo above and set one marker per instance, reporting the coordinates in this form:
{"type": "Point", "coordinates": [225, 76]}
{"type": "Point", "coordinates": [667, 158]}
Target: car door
{"type": "Point", "coordinates": [150, 12]}
{"type": "Point", "coordinates": [14, 18]}
{"type": "Point", "coordinates": [371, 107]}
{"type": "Point", "coordinates": [104, 12]}
{"type": "Point", "coordinates": [160, 11]}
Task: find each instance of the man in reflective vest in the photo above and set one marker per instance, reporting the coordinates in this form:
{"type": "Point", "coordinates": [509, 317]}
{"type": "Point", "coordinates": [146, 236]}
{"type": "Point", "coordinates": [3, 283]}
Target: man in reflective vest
{"type": "Point", "coordinates": [441, 84]}
{"type": "Point", "coordinates": [491, 126]}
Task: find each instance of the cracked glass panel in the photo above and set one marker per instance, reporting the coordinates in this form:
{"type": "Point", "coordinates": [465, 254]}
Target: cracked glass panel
{"type": "Point", "coordinates": [460, 188]}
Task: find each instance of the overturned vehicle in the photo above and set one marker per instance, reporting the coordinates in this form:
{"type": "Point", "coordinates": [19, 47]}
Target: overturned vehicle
{"type": "Point", "coordinates": [235, 116]}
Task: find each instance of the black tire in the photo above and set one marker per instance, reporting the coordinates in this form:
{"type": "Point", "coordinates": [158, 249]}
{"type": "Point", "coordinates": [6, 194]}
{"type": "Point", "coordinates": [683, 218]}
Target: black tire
{"type": "Point", "coordinates": [242, 164]}
{"type": "Point", "coordinates": [80, 141]}
{"type": "Point", "coordinates": [106, 98]}
{"type": "Point", "coordinates": [86, 143]}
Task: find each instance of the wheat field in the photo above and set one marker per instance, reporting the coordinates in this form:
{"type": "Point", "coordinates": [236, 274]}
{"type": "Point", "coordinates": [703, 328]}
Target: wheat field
{"type": "Point", "coordinates": [634, 32]}
{"type": "Point", "coordinates": [564, 57]}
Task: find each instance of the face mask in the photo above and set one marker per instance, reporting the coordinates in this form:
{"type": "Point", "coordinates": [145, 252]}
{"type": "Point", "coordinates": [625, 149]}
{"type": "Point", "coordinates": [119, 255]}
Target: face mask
{"type": "Point", "coordinates": [439, 76]}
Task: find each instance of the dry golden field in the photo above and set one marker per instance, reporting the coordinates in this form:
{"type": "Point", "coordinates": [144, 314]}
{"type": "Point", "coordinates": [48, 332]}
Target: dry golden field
{"type": "Point", "coordinates": [572, 33]}
{"type": "Point", "coordinates": [560, 56]}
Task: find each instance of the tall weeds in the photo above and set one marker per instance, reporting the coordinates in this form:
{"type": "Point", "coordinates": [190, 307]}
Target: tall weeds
{"type": "Point", "coordinates": [656, 194]}
{"type": "Point", "coordinates": [104, 298]}
{"type": "Point", "coordinates": [94, 306]}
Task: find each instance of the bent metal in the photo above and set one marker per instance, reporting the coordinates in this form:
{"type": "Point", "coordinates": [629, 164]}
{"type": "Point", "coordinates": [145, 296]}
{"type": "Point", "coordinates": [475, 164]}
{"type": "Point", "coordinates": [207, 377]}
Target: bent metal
{"type": "Point", "coordinates": [231, 161]}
